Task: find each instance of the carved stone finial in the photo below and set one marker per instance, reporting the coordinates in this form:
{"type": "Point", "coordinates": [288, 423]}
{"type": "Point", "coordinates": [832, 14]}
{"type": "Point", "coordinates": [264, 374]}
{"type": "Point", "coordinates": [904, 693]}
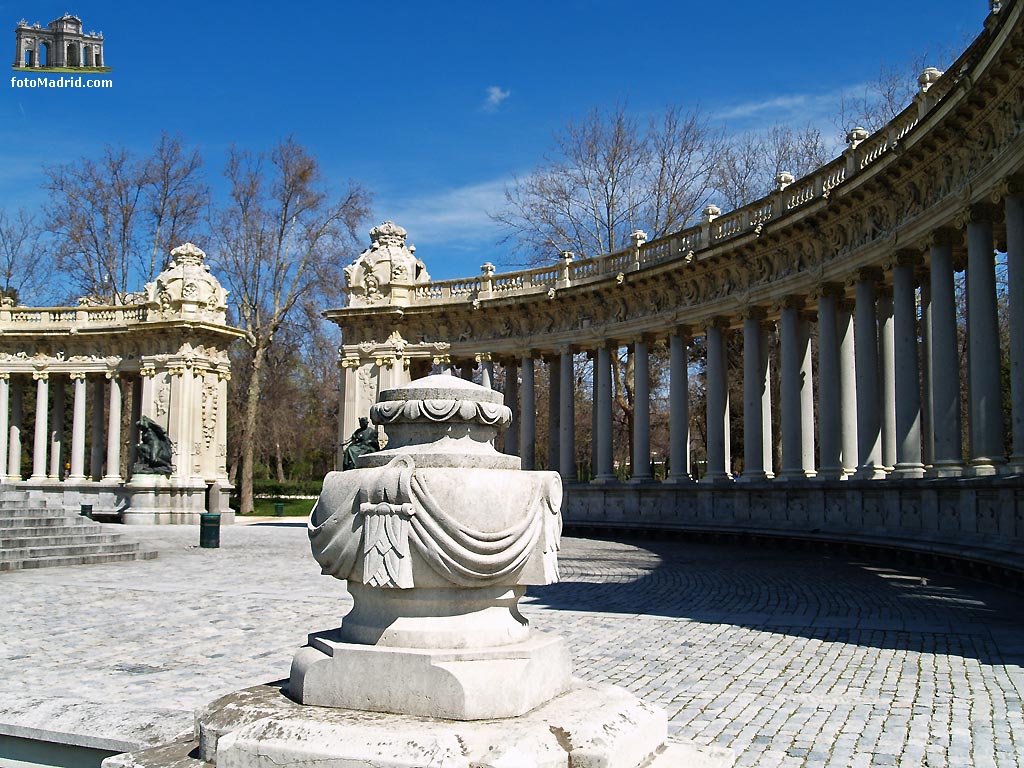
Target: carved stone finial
{"type": "Point", "coordinates": [711, 212]}
{"type": "Point", "coordinates": [638, 237]}
{"type": "Point", "coordinates": [928, 78]}
{"type": "Point", "coordinates": [387, 234]}
{"type": "Point", "coordinates": [487, 268]}
{"type": "Point", "coordinates": [188, 254]}
{"type": "Point", "coordinates": [995, 6]}
{"type": "Point", "coordinates": [783, 179]}
{"type": "Point", "coordinates": [855, 136]}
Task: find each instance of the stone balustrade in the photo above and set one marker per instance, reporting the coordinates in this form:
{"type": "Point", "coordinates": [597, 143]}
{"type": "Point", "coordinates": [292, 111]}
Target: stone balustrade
{"type": "Point", "coordinates": [848, 275]}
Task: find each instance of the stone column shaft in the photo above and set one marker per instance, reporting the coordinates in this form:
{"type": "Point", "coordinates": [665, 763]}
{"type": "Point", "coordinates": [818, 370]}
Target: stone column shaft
{"type": "Point", "coordinates": [797, 407]}
{"type": "Point", "coordinates": [927, 377]}
{"type": "Point", "coordinates": [641, 413]}
{"type": "Point", "coordinates": [5, 402]}
{"type": "Point", "coordinates": [718, 408]}
{"type": "Point", "coordinates": [42, 434]}
{"type": "Point", "coordinates": [1015, 275]}
{"type": "Point", "coordinates": [887, 382]}
{"type": "Point", "coordinates": [554, 413]}
{"type": "Point", "coordinates": [567, 419]}
{"type": "Point", "coordinates": [511, 399]}
{"type": "Point", "coordinates": [757, 430]}
{"type": "Point", "coordinates": [869, 418]}
{"type": "Point", "coordinates": [487, 374]}
{"type": "Point", "coordinates": [679, 412]}
{"type": "Point", "coordinates": [78, 431]}
{"type": "Point", "coordinates": [113, 473]}
{"type": "Point", "coordinates": [848, 392]}
{"type": "Point", "coordinates": [908, 398]}
{"type": "Point", "coordinates": [603, 404]}
{"type": "Point", "coordinates": [986, 408]}
{"type": "Point", "coordinates": [947, 458]}
{"type": "Point", "coordinates": [527, 414]}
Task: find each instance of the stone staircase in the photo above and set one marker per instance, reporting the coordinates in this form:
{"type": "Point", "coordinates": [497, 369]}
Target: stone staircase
{"type": "Point", "coordinates": [36, 536]}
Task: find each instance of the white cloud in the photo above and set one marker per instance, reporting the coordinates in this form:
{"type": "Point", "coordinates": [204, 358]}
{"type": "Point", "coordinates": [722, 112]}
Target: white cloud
{"type": "Point", "coordinates": [495, 96]}
{"type": "Point", "coordinates": [455, 215]}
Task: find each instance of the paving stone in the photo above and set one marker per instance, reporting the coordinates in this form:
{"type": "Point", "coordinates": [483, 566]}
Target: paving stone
{"type": "Point", "coordinates": [790, 658]}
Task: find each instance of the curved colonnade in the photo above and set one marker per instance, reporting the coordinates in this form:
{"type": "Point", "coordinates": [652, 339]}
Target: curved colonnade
{"type": "Point", "coordinates": [853, 266]}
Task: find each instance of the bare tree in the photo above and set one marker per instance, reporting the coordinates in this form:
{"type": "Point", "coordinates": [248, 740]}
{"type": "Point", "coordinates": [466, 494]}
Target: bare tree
{"type": "Point", "coordinates": [609, 176]}
{"type": "Point", "coordinates": [751, 162]}
{"type": "Point", "coordinates": [108, 215]}
{"type": "Point", "coordinates": [25, 268]}
{"type": "Point", "coordinates": [280, 239]}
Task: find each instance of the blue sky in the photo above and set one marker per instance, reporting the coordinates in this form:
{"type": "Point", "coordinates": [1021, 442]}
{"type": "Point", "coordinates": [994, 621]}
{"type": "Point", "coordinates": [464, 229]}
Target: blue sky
{"type": "Point", "coordinates": [435, 106]}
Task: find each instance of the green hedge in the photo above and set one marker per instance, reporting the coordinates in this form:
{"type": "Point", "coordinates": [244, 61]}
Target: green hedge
{"type": "Point", "coordinates": [296, 488]}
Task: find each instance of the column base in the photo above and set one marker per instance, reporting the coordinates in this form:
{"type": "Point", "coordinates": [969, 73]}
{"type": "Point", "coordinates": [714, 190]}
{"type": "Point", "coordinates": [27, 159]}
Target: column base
{"type": "Point", "coordinates": [604, 480]}
{"type": "Point", "coordinates": [647, 480]}
{"type": "Point", "coordinates": [799, 475]}
{"type": "Point", "coordinates": [908, 471]}
{"type": "Point", "coordinates": [985, 468]}
{"type": "Point", "coordinates": [754, 477]}
{"type": "Point", "coordinates": [831, 473]}
{"type": "Point", "coordinates": [869, 473]}
{"type": "Point", "coordinates": [678, 480]}
{"type": "Point", "coordinates": [945, 469]}
{"type": "Point", "coordinates": [713, 478]}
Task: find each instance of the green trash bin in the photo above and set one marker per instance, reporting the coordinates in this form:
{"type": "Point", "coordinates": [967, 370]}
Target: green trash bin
{"type": "Point", "coordinates": [278, 509]}
{"type": "Point", "coordinates": [209, 530]}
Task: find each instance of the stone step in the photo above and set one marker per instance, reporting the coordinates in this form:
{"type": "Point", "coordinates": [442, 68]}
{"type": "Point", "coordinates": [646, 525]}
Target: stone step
{"type": "Point", "coordinates": [49, 521]}
{"type": "Point", "coordinates": [93, 559]}
{"type": "Point", "coordinates": [24, 531]}
{"type": "Point", "coordinates": [67, 550]}
{"type": "Point", "coordinates": [56, 539]}
{"type": "Point", "coordinates": [8, 511]}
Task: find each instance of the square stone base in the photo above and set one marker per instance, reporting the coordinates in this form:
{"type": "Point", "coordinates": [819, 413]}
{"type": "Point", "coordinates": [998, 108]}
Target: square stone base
{"type": "Point", "coordinates": [467, 684]}
{"type": "Point", "coordinates": [590, 726]}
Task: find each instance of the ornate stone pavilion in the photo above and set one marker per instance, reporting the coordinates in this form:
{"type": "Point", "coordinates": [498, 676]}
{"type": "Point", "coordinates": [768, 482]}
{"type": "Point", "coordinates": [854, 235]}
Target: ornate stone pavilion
{"type": "Point", "coordinates": [857, 258]}
{"type": "Point", "coordinates": [100, 369]}
{"type": "Point", "coordinates": [61, 43]}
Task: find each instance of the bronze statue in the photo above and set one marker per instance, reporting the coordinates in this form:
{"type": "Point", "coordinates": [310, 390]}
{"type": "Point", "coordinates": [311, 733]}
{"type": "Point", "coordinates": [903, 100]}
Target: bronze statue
{"type": "Point", "coordinates": [153, 450]}
{"type": "Point", "coordinates": [363, 440]}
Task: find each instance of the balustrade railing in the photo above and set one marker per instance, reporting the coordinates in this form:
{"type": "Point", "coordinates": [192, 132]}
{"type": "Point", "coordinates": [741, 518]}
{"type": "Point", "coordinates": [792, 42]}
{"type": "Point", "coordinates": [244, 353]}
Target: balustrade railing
{"type": "Point", "coordinates": [36, 317]}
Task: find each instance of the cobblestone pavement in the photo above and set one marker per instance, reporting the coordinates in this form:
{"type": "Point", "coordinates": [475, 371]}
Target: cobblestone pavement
{"type": "Point", "coordinates": [789, 658]}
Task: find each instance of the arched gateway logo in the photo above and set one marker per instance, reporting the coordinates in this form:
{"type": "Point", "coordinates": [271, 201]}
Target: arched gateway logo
{"type": "Point", "coordinates": [60, 46]}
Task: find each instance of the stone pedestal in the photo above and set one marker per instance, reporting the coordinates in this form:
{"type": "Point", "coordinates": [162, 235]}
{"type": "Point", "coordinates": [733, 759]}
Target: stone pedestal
{"type": "Point", "coordinates": [437, 538]}
{"type": "Point", "coordinates": [159, 500]}
{"type": "Point", "coordinates": [590, 726]}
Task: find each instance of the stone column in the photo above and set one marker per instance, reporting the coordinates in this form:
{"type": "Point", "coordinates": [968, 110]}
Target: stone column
{"type": "Point", "coordinates": [57, 429]}
{"type": "Point", "coordinates": [567, 418]}
{"type": "Point", "coordinates": [42, 434]}
{"type": "Point", "coordinates": [486, 370]}
{"type": "Point", "coordinates": [718, 469]}
{"type": "Point", "coordinates": [14, 434]}
{"type": "Point", "coordinates": [679, 411]}
{"type": "Point", "coordinates": [223, 377]}
{"type": "Point", "coordinates": [984, 367]}
{"type": "Point", "coordinates": [869, 418]}
{"type": "Point", "coordinates": [466, 370]}
{"type": "Point", "coordinates": [847, 390]}
{"type": "Point", "coordinates": [887, 383]}
{"type": "Point", "coordinates": [603, 403]}
{"type": "Point", "coordinates": [797, 408]}
{"type": "Point", "coordinates": [78, 429]}
{"type": "Point", "coordinates": [947, 457]}
{"type": "Point", "coordinates": [5, 402]}
{"type": "Point", "coordinates": [830, 426]}
{"type": "Point", "coordinates": [641, 413]}
{"type": "Point", "coordinates": [1014, 205]}
{"type": "Point", "coordinates": [908, 398]}
{"type": "Point", "coordinates": [554, 411]}
{"type": "Point", "coordinates": [527, 414]}
{"type": "Point", "coordinates": [511, 399]}
{"type": "Point", "coordinates": [757, 408]}
{"type": "Point", "coordinates": [927, 377]}
{"type": "Point", "coordinates": [96, 453]}
{"type": "Point", "coordinates": [133, 429]}
{"type": "Point", "coordinates": [113, 474]}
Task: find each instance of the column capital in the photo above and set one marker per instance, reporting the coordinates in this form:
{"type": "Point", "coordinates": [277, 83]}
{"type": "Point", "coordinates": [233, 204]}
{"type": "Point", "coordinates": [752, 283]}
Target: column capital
{"type": "Point", "coordinates": [907, 257]}
{"type": "Point", "coordinates": [797, 302]}
{"type": "Point", "coordinates": [718, 321]}
{"type": "Point", "coordinates": [943, 236]}
{"type": "Point", "coordinates": [345, 362]}
{"type": "Point", "coordinates": [482, 357]}
{"type": "Point", "coordinates": [442, 360]}
{"type": "Point", "coordinates": [77, 375]}
{"type": "Point", "coordinates": [5, 375]}
{"type": "Point", "coordinates": [40, 375]}
{"type": "Point", "coordinates": [755, 312]}
{"type": "Point", "coordinates": [223, 374]}
{"type": "Point", "coordinates": [684, 331]}
{"type": "Point", "coordinates": [868, 275]}
{"type": "Point", "coordinates": [113, 374]}
{"type": "Point", "coordinates": [979, 213]}
{"type": "Point", "coordinates": [1011, 186]}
